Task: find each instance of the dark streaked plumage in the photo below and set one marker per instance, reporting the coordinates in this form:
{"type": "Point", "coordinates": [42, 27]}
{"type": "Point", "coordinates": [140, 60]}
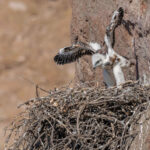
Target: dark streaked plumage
{"type": "Point", "coordinates": [121, 14]}
{"type": "Point", "coordinates": [72, 53]}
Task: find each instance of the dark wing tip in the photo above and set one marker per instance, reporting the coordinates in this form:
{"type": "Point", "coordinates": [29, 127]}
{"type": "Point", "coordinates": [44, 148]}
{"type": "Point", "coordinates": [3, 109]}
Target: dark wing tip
{"type": "Point", "coordinates": [61, 59]}
{"type": "Point", "coordinates": [72, 56]}
{"type": "Point", "coordinates": [121, 11]}
{"type": "Point", "coordinates": [58, 59]}
{"type": "Point", "coordinates": [121, 14]}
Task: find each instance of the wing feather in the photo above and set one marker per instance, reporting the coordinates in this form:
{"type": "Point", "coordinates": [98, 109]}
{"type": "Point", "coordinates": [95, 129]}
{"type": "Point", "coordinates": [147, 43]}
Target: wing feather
{"type": "Point", "coordinates": [71, 54]}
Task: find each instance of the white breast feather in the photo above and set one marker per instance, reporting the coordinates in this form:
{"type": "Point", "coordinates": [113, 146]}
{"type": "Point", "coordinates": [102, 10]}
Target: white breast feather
{"type": "Point", "coordinates": [95, 46]}
{"type": "Point", "coordinates": [118, 74]}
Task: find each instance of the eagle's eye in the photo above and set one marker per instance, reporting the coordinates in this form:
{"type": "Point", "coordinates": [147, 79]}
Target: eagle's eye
{"type": "Point", "coordinates": [98, 62]}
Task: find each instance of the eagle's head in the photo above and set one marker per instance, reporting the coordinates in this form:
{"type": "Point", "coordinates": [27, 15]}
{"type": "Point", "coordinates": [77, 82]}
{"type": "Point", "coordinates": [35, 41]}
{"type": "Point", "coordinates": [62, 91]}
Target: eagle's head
{"type": "Point", "coordinates": [98, 60]}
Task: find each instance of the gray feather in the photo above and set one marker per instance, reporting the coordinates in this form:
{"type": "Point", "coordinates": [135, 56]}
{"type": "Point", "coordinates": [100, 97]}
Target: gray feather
{"type": "Point", "coordinates": [108, 77]}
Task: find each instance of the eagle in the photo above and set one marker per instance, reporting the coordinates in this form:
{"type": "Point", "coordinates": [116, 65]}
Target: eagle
{"type": "Point", "coordinates": [78, 49]}
{"type": "Point", "coordinates": [105, 56]}
{"type": "Point", "coordinates": [72, 53]}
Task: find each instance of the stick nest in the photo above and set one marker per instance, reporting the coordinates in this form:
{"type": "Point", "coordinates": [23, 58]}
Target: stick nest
{"type": "Point", "coordinates": [80, 118]}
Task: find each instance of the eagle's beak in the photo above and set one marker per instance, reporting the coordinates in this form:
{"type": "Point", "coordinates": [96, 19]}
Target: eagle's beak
{"type": "Point", "coordinates": [107, 64]}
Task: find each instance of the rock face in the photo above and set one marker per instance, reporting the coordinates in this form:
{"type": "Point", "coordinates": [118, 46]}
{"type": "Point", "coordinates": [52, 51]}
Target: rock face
{"type": "Point", "coordinates": [142, 140]}
{"type": "Point", "coordinates": [89, 21]}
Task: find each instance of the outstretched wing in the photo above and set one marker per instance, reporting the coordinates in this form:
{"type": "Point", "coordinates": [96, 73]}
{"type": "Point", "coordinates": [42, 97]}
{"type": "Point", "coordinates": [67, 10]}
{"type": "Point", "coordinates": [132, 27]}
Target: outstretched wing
{"type": "Point", "coordinates": [72, 53]}
{"type": "Point", "coordinates": [116, 20]}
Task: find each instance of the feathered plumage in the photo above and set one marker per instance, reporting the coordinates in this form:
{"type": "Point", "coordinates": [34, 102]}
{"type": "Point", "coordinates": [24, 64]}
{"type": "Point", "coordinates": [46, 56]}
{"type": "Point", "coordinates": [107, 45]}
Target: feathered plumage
{"type": "Point", "coordinates": [104, 57]}
{"type": "Point", "coordinates": [74, 52]}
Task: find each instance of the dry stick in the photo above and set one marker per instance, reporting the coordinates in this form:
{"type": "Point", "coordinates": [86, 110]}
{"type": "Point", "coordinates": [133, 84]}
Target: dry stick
{"type": "Point", "coordinates": [39, 139]}
{"type": "Point", "coordinates": [52, 133]}
{"type": "Point", "coordinates": [33, 100]}
{"type": "Point", "coordinates": [78, 117]}
{"type": "Point", "coordinates": [68, 137]}
{"type": "Point", "coordinates": [137, 109]}
{"type": "Point", "coordinates": [31, 82]}
{"type": "Point", "coordinates": [107, 144]}
{"type": "Point", "coordinates": [60, 123]}
{"type": "Point", "coordinates": [101, 102]}
{"type": "Point", "coordinates": [37, 92]}
{"type": "Point", "coordinates": [65, 146]}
